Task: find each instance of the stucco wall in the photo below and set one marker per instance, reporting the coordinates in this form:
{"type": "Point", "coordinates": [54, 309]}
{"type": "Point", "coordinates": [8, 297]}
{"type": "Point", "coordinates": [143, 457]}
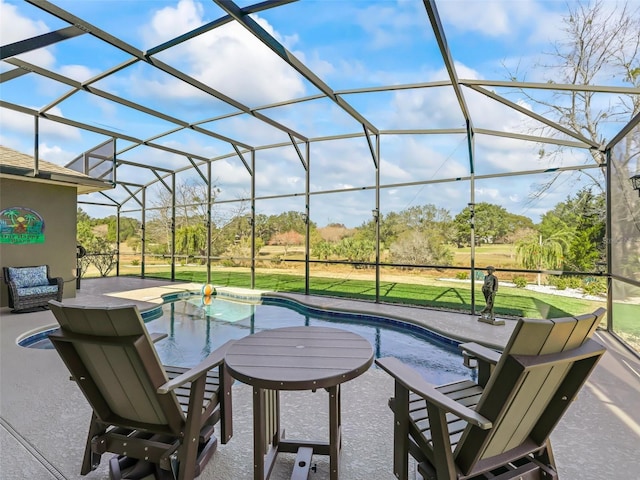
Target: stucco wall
{"type": "Point", "coordinates": [57, 205]}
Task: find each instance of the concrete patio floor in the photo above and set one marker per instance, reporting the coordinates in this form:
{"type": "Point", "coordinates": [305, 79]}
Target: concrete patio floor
{"type": "Point", "coordinates": [44, 418]}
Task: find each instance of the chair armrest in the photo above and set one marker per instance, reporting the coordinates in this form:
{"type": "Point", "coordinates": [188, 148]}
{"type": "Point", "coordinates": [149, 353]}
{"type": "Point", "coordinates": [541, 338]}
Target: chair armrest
{"type": "Point", "coordinates": [156, 337]}
{"type": "Point", "coordinates": [412, 380]}
{"type": "Point", "coordinates": [214, 359]}
{"type": "Point", "coordinates": [474, 350]}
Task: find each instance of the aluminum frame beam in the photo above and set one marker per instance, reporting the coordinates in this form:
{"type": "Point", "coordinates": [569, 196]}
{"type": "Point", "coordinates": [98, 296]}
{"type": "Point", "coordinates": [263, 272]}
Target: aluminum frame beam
{"type": "Point", "coordinates": [40, 41]}
{"type": "Point", "coordinates": [261, 34]}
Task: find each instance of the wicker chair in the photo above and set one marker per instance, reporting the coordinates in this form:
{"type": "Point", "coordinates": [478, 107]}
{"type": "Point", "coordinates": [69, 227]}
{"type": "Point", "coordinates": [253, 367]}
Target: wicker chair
{"type": "Point", "coordinates": [31, 288]}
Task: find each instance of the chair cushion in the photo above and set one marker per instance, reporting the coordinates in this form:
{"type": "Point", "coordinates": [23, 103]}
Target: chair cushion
{"type": "Point", "coordinates": [39, 290]}
{"type": "Point", "coordinates": [26, 277]}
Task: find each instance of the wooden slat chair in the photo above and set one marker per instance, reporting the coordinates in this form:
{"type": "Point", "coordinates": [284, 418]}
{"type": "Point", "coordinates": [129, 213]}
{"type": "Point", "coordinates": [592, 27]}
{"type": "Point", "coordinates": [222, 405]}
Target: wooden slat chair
{"type": "Point", "coordinates": [157, 419]}
{"type": "Point", "coordinates": [498, 427]}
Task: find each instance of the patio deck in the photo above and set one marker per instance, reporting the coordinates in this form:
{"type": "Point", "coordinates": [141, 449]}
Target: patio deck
{"type": "Point", "coordinates": [44, 418]}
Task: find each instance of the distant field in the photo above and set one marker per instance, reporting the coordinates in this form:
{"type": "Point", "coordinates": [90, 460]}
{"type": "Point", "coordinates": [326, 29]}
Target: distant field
{"type": "Point", "coordinates": [500, 256]}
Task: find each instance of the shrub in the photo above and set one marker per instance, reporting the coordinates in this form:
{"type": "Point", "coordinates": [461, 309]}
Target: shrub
{"type": "Point", "coordinates": [520, 281]}
{"type": "Point", "coordinates": [574, 282]}
{"type": "Point", "coordinates": [104, 262]}
{"type": "Point", "coordinates": [135, 262]}
{"type": "Point", "coordinates": [593, 286]}
{"type": "Point", "coordinates": [561, 283]}
{"type": "Point", "coordinates": [462, 275]}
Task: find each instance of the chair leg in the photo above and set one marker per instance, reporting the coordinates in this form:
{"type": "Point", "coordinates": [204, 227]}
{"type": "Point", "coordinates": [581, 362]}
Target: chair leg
{"type": "Point", "coordinates": [188, 451]}
{"type": "Point", "coordinates": [547, 462]}
{"type": "Point", "coordinates": [91, 460]}
{"type": "Point", "coordinates": [546, 455]}
{"type": "Point", "coordinates": [444, 464]}
{"type": "Point", "coordinates": [127, 468]}
{"type": "Point", "coordinates": [226, 407]}
{"type": "Point", "coordinates": [400, 407]}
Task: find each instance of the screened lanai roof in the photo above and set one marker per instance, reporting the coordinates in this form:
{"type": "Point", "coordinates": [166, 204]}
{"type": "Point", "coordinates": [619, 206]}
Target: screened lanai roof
{"type": "Point", "coordinates": [354, 94]}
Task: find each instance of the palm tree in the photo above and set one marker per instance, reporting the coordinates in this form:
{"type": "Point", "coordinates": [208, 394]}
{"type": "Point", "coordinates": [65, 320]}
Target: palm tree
{"type": "Point", "coordinates": [538, 253]}
{"type": "Point", "coordinates": [12, 214]}
{"type": "Point", "coordinates": [30, 218]}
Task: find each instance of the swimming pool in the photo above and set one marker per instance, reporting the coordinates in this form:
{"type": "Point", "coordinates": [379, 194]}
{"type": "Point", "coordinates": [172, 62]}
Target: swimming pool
{"type": "Point", "coordinates": [194, 330]}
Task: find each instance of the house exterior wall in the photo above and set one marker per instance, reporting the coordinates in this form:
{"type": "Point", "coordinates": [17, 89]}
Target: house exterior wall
{"type": "Point", "coordinates": [57, 205]}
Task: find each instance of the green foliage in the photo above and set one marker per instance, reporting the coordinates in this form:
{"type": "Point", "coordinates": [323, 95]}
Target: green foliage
{"type": "Point", "coordinates": [594, 286]}
{"type": "Point", "coordinates": [191, 240]}
{"type": "Point", "coordinates": [82, 216]}
{"type": "Point", "coordinates": [462, 275]}
{"type": "Point", "coordinates": [425, 218]}
{"type": "Point", "coordinates": [492, 224]}
{"type": "Point", "coordinates": [84, 231]}
{"type": "Point", "coordinates": [134, 243]}
{"type": "Point", "coordinates": [536, 253]}
{"type": "Point", "coordinates": [416, 247]}
{"type": "Point", "coordinates": [520, 281]}
{"type": "Point", "coordinates": [322, 250]}
{"type": "Point", "coordinates": [583, 217]}
{"type": "Point", "coordinates": [560, 283]}
{"type": "Point", "coordinates": [355, 250]}
{"type": "Point", "coordinates": [129, 227]}
{"type": "Point", "coordinates": [104, 262]}
{"type": "Point", "coordinates": [100, 254]}
{"type": "Point", "coordinates": [571, 233]}
{"type": "Point", "coordinates": [83, 265]}
{"type": "Point", "coordinates": [574, 282]}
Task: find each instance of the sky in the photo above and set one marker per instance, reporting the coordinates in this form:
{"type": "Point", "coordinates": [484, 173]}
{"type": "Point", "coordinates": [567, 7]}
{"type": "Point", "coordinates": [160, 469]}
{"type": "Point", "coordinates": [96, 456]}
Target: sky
{"type": "Point", "coordinates": [348, 45]}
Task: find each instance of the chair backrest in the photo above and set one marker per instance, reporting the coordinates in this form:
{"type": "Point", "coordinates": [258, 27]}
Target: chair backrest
{"type": "Point", "coordinates": [542, 368]}
{"type": "Point", "coordinates": [27, 276]}
{"type": "Point", "coordinates": [112, 358]}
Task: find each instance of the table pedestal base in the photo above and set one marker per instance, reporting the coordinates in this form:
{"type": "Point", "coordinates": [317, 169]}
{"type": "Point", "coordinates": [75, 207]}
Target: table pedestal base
{"type": "Point", "coordinates": [269, 438]}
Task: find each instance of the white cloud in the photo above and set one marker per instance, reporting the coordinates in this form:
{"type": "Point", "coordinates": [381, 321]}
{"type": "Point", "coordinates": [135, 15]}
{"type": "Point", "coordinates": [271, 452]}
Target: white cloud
{"type": "Point", "coordinates": [16, 27]}
{"type": "Point", "coordinates": [390, 24]}
{"type": "Point", "coordinates": [55, 154]}
{"type": "Point", "coordinates": [80, 73]}
{"type": "Point", "coordinates": [22, 124]}
{"type": "Point", "coordinates": [487, 17]}
{"type": "Point", "coordinates": [228, 58]}
{"type": "Point", "coordinates": [170, 22]}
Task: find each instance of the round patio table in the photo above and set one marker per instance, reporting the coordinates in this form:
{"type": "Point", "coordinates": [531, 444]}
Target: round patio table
{"type": "Point", "coordinates": [296, 358]}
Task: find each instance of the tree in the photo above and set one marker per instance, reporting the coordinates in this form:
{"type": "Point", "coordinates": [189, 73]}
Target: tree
{"type": "Point", "coordinates": [355, 250]}
{"type": "Point", "coordinates": [537, 253]}
{"type": "Point", "coordinates": [129, 227]}
{"type": "Point", "coordinates": [322, 249]}
{"type": "Point", "coordinates": [84, 229]}
{"type": "Point", "coordinates": [287, 239]}
{"type": "Point", "coordinates": [191, 213]}
{"type": "Point", "coordinates": [191, 240]}
{"type": "Point", "coordinates": [100, 254]}
{"type": "Point", "coordinates": [422, 218]}
{"type": "Point", "coordinates": [82, 216]}
{"type": "Point", "coordinates": [601, 41]}
{"type": "Point", "coordinates": [583, 216]}
{"type": "Point", "coordinates": [420, 247]}
{"type": "Point", "coordinates": [492, 224]}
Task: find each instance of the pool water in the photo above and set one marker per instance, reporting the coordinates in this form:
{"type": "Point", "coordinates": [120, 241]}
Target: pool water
{"type": "Point", "coordinates": [195, 330]}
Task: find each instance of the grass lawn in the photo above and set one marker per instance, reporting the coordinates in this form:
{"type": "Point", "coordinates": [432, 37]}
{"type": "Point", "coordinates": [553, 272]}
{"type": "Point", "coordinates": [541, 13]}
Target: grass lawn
{"type": "Point", "coordinates": [513, 302]}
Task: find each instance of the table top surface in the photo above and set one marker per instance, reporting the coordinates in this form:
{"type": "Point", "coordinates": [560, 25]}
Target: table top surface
{"type": "Point", "coordinates": [299, 358]}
